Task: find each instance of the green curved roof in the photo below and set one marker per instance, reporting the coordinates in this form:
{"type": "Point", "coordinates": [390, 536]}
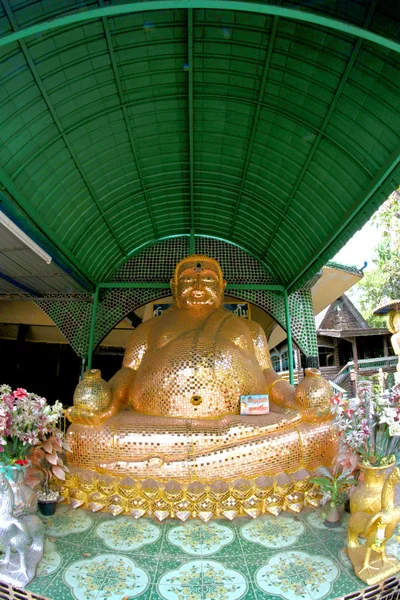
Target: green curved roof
{"type": "Point", "coordinates": [273, 126]}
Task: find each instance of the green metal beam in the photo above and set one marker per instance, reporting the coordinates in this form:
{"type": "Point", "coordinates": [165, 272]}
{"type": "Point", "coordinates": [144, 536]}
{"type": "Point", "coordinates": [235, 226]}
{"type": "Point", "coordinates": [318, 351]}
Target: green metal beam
{"type": "Point", "coordinates": [126, 117]}
{"type": "Point", "coordinates": [19, 209]}
{"type": "Point", "coordinates": [93, 326]}
{"type": "Point", "coordinates": [256, 119]}
{"type": "Point", "coordinates": [380, 178]}
{"type": "Point", "coordinates": [289, 336]}
{"type": "Point", "coordinates": [191, 136]}
{"type": "Point", "coordinates": [254, 7]}
{"type": "Point", "coordinates": [324, 125]}
{"type": "Point", "coordinates": [56, 120]}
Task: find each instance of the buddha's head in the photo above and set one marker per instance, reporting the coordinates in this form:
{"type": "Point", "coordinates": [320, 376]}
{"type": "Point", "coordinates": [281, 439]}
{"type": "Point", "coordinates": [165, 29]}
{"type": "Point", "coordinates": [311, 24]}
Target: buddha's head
{"type": "Point", "coordinates": [198, 283]}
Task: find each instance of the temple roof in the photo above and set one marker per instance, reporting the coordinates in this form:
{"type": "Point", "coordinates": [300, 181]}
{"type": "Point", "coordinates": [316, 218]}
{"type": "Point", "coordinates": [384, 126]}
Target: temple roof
{"type": "Point", "coordinates": [271, 125]}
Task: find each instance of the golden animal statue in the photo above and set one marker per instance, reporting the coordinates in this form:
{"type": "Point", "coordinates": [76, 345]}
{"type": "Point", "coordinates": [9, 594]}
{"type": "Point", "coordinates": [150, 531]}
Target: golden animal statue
{"type": "Point", "coordinates": [173, 413]}
{"type": "Point", "coordinates": [377, 529]}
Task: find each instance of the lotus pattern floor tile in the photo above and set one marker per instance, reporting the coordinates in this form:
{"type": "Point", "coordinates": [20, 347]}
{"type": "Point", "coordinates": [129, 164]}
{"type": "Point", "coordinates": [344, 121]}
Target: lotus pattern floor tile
{"type": "Point", "coordinates": [214, 537]}
{"type": "Point", "coordinates": [196, 538]}
{"type": "Point", "coordinates": [125, 533]}
{"type": "Point", "coordinates": [236, 592]}
{"type": "Point", "coordinates": [167, 592]}
{"type": "Point", "coordinates": [273, 532]}
{"type": "Point", "coordinates": [106, 577]}
{"type": "Point", "coordinates": [187, 537]}
{"type": "Point", "coordinates": [296, 574]}
{"type": "Point", "coordinates": [196, 579]}
{"type": "Point", "coordinates": [67, 521]}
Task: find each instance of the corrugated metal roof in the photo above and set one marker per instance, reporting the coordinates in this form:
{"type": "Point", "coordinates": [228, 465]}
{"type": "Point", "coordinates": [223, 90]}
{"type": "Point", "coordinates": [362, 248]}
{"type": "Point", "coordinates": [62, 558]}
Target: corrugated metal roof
{"type": "Point", "coordinates": [267, 126]}
{"type": "Point", "coordinates": [21, 270]}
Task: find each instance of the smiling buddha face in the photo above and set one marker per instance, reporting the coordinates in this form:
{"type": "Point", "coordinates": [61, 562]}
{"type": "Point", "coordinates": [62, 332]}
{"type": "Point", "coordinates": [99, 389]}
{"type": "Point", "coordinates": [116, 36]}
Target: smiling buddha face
{"type": "Point", "coordinates": [198, 284]}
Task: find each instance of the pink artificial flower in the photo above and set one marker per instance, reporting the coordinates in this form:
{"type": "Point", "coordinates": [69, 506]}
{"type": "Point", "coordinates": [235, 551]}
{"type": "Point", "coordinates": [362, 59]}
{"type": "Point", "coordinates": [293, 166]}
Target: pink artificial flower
{"type": "Point", "coordinates": [8, 400]}
{"type": "Point", "coordinates": [1, 449]}
{"type": "Point", "coordinates": [349, 412]}
{"type": "Point", "coordinates": [365, 427]}
{"type": "Point", "coordinates": [20, 393]}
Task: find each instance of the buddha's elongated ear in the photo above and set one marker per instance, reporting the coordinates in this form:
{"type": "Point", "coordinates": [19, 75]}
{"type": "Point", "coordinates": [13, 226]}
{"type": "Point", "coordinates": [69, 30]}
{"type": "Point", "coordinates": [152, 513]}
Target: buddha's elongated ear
{"type": "Point", "coordinates": [224, 282]}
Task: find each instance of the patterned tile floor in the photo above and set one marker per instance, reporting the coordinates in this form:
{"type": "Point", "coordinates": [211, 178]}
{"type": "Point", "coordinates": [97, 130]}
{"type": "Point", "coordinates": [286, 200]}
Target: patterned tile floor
{"type": "Point", "coordinates": [100, 557]}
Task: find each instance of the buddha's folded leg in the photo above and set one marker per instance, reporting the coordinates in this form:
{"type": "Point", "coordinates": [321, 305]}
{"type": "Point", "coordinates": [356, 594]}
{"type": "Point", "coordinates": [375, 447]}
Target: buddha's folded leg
{"type": "Point", "coordinates": [174, 454]}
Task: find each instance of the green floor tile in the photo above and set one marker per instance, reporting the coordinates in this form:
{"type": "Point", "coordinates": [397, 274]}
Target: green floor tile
{"type": "Point", "coordinates": [126, 534]}
{"type": "Point", "coordinates": [244, 559]}
{"type": "Point", "coordinates": [227, 569]}
{"type": "Point", "coordinates": [227, 592]}
{"type": "Point", "coordinates": [166, 592]}
{"type": "Point", "coordinates": [168, 566]}
{"type": "Point", "coordinates": [146, 562]}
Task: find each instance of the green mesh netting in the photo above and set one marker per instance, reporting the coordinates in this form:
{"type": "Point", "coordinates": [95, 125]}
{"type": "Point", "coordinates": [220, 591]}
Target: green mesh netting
{"type": "Point", "coordinates": [156, 264]}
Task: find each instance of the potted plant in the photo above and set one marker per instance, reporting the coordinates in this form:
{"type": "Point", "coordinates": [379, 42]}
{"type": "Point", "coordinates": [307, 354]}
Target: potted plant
{"type": "Point", "coordinates": [46, 460]}
{"type": "Point", "coordinates": [369, 427]}
{"type": "Point", "coordinates": [334, 486]}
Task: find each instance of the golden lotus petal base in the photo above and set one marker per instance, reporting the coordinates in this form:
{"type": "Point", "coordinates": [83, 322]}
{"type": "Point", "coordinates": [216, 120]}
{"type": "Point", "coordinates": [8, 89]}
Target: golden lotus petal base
{"type": "Point", "coordinates": [218, 498]}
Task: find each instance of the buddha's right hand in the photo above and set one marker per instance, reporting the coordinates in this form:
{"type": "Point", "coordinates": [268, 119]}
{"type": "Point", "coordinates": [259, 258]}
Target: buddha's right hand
{"type": "Point", "coordinates": [119, 385]}
{"type": "Point", "coordinates": [83, 416]}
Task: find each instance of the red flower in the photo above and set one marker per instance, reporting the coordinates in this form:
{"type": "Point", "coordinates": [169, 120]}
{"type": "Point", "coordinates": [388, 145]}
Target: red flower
{"type": "Point", "coordinates": [20, 393]}
{"type": "Point", "coordinates": [22, 462]}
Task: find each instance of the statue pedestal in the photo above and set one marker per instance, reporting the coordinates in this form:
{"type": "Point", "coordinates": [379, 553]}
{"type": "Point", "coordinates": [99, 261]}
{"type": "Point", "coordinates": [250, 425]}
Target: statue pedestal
{"type": "Point", "coordinates": [379, 568]}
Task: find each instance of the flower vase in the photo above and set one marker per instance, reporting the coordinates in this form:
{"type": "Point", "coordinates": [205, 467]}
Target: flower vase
{"type": "Point", "coordinates": [367, 495]}
{"type": "Point", "coordinates": [25, 502]}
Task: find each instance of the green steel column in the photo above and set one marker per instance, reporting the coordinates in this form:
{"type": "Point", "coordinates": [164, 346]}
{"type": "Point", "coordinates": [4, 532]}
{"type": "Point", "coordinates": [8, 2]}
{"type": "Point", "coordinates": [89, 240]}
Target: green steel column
{"type": "Point", "coordinates": [92, 326]}
{"type": "Point", "coordinates": [289, 336]}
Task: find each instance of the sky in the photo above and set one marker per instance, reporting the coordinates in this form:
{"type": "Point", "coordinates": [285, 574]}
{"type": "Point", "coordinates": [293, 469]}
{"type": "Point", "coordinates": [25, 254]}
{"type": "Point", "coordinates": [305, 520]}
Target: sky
{"type": "Point", "coordinates": [360, 247]}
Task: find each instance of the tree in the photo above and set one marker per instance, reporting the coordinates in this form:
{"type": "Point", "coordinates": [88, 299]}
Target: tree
{"type": "Point", "coordinates": [384, 280]}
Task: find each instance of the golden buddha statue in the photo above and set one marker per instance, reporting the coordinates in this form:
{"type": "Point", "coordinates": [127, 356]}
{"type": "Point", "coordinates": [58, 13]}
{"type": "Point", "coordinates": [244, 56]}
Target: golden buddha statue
{"type": "Point", "coordinates": [175, 403]}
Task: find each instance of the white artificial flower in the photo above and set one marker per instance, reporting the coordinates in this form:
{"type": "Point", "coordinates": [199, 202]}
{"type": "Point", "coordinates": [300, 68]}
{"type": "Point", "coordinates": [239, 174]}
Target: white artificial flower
{"type": "Point", "coordinates": [394, 429]}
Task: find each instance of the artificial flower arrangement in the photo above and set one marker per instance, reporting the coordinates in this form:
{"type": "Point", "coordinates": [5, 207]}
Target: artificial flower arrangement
{"type": "Point", "coordinates": [29, 436]}
{"type": "Point", "coordinates": [369, 426]}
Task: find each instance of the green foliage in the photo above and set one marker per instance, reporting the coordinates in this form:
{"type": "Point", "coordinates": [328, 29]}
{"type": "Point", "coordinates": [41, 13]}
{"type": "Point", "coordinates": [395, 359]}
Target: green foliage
{"type": "Point", "coordinates": [335, 485]}
{"type": "Point", "coordinates": [384, 280]}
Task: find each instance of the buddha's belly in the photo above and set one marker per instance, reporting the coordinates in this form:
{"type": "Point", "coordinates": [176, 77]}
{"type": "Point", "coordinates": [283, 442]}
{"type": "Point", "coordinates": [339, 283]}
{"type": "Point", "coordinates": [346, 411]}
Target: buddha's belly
{"type": "Point", "coordinates": [195, 380]}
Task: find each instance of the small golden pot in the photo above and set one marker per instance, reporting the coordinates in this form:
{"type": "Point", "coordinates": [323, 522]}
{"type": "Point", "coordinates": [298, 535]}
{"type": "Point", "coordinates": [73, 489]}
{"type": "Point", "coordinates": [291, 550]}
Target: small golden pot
{"type": "Point", "coordinates": [314, 391]}
{"type": "Point", "coordinates": [92, 393]}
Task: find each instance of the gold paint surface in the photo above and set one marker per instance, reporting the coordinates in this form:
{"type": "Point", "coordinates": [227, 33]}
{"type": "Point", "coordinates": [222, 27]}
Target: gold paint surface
{"type": "Point", "coordinates": [182, 378]}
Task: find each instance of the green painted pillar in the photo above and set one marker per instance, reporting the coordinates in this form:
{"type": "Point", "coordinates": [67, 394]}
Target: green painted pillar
{"type": "Point", "coordinates": [289, 336]}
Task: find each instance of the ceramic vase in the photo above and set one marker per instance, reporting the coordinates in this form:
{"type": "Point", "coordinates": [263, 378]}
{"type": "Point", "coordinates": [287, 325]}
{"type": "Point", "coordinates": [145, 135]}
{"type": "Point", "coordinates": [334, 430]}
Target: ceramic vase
{"type": "Point", "coordinates": [25, 501]}
{"type": "Point", "coordinates": [92, 393]}
{"type": "Point", "coordinates": [367, 495]}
